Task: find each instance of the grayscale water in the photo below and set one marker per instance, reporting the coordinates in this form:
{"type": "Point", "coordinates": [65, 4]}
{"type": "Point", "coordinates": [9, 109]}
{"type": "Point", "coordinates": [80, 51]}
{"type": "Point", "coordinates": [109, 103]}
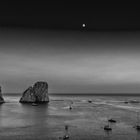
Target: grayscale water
{"type": "Point", "coordinates": [85, 120]}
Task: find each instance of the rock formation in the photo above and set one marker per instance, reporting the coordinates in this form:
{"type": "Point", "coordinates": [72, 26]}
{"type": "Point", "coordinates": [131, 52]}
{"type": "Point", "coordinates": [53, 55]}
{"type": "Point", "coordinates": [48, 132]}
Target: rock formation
{"type": "Point", "coordinates": [1, 98]}
{"type": "Point", "coordinates": [36, 94]}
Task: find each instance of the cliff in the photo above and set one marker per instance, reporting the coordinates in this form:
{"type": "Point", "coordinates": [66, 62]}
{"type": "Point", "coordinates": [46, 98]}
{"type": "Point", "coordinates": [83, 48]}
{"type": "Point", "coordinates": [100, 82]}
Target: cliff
{"type": "Point", "coordinates": [1, 98]}
{"type": "Point", "coordinates": [36, 94]}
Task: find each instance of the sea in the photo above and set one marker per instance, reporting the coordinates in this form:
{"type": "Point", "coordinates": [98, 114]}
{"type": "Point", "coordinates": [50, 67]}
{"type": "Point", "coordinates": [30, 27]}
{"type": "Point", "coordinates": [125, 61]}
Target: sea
{"type": "Point", "coordinates": [86, 119]}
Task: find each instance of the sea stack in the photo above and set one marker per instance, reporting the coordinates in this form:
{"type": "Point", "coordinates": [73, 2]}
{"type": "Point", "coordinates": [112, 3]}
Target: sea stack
{"type": "Point", "coordinates": [36, 94]}
{"type": "Point", "coordinates": [1, 98]}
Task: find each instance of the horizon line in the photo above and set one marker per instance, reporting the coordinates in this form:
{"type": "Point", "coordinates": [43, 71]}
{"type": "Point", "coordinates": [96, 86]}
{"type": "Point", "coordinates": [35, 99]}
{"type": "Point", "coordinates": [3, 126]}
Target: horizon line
{"type": "Point", "coordinates": [80, 94]}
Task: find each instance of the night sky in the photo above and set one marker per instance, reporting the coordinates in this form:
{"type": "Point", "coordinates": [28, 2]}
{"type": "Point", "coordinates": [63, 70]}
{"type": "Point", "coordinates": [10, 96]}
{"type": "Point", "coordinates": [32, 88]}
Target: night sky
{"type": "Point", "coordinates": [46, 41]}
{"type": "Point", "coordinates": [60, 15]}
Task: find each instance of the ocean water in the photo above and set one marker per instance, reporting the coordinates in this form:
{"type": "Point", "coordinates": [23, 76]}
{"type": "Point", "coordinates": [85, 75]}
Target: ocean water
{"type": "Point", "coordinates": [85, 121]}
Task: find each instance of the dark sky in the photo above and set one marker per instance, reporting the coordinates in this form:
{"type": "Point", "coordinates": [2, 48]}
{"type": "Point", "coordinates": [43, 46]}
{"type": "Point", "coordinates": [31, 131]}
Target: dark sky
{"type": "Point", "coordinates": [46, 41]}
{"type": "Point", "coordinates": [68, 16]}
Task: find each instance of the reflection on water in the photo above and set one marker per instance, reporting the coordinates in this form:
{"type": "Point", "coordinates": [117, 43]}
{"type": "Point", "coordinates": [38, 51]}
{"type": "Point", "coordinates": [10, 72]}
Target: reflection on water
{"type": "Point", "coordinates": [18, 115]}
{"type": "Point", "coordinates": [108, 135]}
{"type": "Point", "coordinates": [85, 120]}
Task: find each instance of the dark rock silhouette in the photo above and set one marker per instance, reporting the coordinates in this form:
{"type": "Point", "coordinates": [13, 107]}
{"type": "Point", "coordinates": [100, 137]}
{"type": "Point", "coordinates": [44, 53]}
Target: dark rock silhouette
{"type": "Point", "coordinates": [36, 94]}
{"type": "Point", "coordinates": [1, 98]}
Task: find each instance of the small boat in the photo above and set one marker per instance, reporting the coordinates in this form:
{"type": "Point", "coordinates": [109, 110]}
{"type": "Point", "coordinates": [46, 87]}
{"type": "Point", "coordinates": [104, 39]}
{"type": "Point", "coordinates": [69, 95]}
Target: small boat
{"type": "Point", "coordinates": [112, 121]}
{"type": "Point", "coordinates": [126, 102]}
{"type": "Point", "coordinates": [34, 104]}
{"type": "Point", "coordinates": [70, 107]}
{"type": "Point", "coordinates": [137, 125]}
{"type": "Point", "coordinates": [107, 128]}
{"type": "Point", "coordinates": [66, 137]}
{"type": "Point", "coordinates": [90, 101]}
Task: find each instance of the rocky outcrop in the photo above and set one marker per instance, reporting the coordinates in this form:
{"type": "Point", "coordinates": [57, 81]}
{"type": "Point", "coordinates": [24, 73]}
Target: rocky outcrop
{"type": "Point", "coordinates": [36, 94]}
{"type": "Point", "coordinates": [1, 98]}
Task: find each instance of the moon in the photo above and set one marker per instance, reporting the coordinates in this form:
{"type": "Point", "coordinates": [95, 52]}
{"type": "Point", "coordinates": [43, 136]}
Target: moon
{"type": "Point", "coordinates": [83, 25]}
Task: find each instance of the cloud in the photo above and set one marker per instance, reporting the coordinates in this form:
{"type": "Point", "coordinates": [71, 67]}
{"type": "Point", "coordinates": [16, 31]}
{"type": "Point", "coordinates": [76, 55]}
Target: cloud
{"type": "Point", "coordinates": [69, 66]}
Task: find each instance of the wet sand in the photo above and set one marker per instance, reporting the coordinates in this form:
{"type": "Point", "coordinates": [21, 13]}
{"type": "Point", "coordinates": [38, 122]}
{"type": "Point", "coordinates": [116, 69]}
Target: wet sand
{"type": "Point", "coordinates": [85, 120]}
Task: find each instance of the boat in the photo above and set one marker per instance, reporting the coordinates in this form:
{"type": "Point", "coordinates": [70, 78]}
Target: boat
{"type": "Point", "coordinates": [107, 127]}
{"type": "Point", "coordinates": [90, 101]}
{"type": "Point", "coordinates": [66, 136]}
{"type": "Point", "coordinates": [126, 102]}
{"type": "Point", "coordinates": [112, 121]}
{"type": "Point", "coordinates": [137, 125]}
{"type": "Point", "coordinates": [70, 107]}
